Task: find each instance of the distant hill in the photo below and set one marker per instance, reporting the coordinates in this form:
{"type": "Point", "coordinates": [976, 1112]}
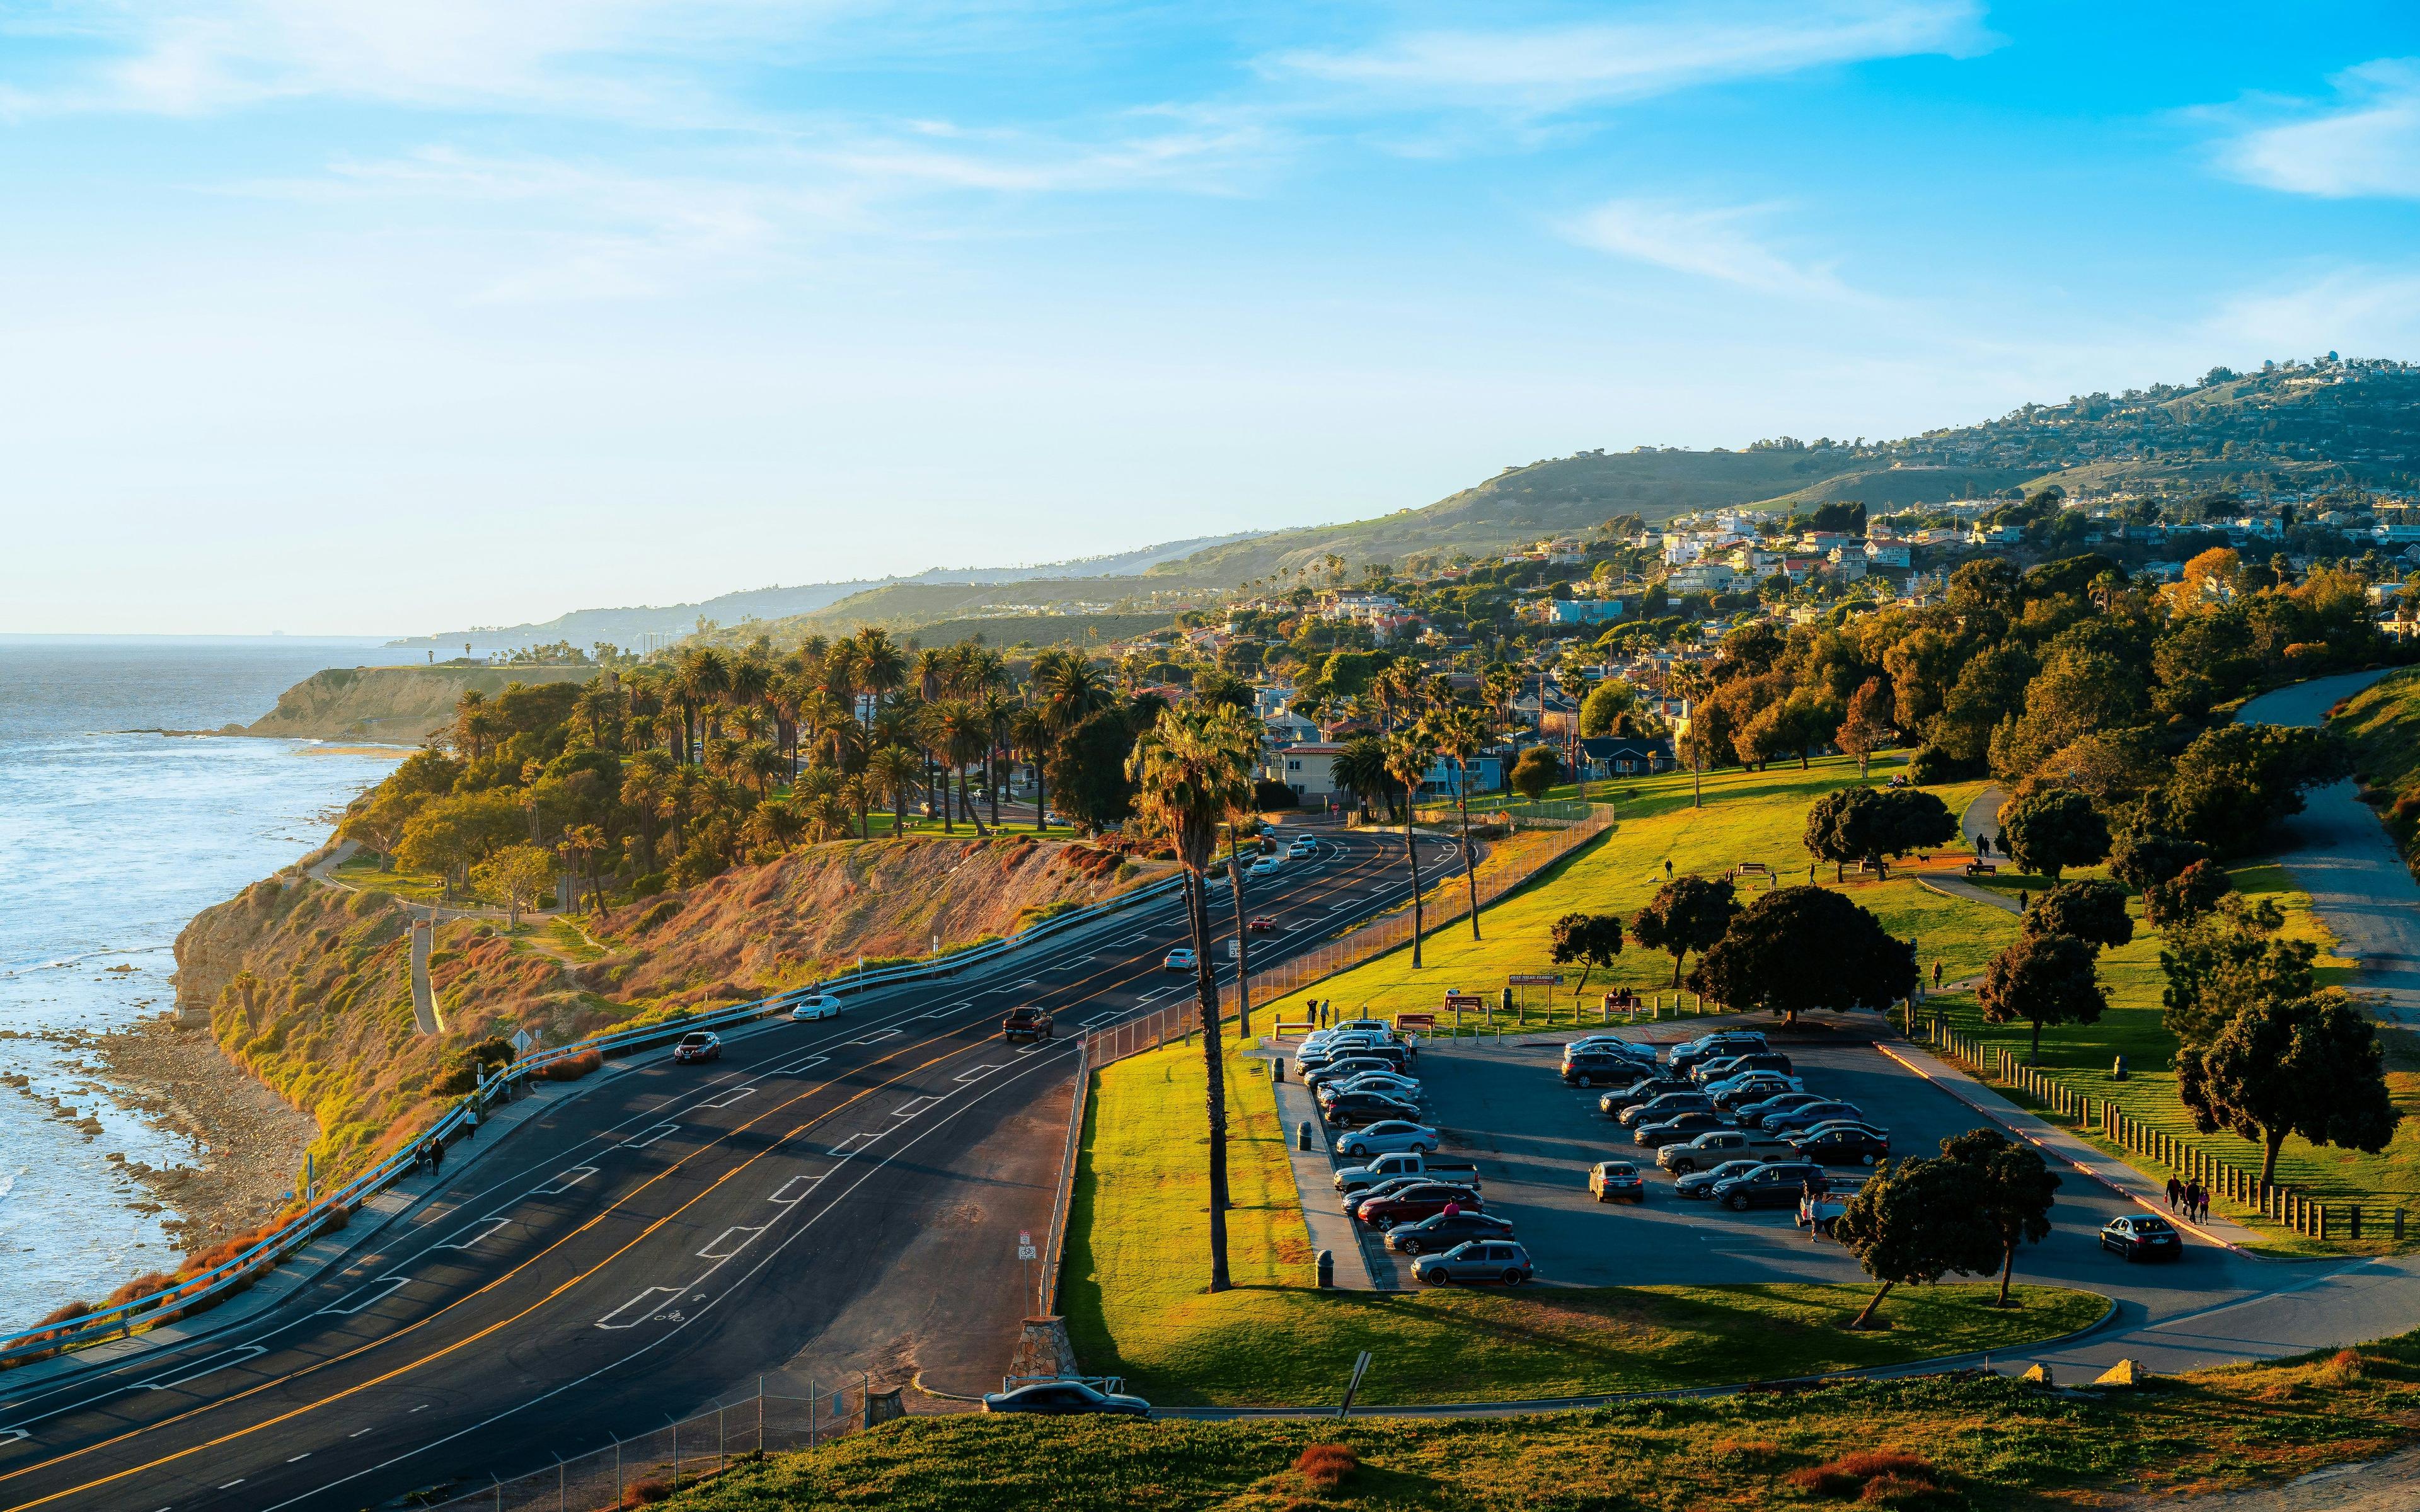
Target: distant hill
{"type": "Point", "coordinates": [625, 627]}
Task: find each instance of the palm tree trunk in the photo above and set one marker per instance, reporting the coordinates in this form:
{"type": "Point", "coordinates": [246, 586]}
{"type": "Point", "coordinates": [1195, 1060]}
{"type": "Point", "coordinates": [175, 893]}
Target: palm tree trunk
{"type": "Point", "coordinates": [991, 780]}
{"type": "Point", "coordinates": [1041, 794]}
{"type": "Point", "coordinates": [1243, 936]}
{"type": "Point", "coordinates": [1412, 859]}
{"type": "Point", "coordinates": [1469, 866]}
{"type": "Point", "coordinates": [1866, 1318]}
{"type": "Point", "coordinates": [1213, 1070]}
{"type": "Point", "coordinates": [967, 802]}
{"type": "Point", "coordinates": [2007, 1269]}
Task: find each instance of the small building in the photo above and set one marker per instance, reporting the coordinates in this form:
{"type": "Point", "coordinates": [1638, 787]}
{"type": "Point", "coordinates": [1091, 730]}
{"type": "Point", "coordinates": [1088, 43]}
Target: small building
{"type": "Point", "coordinates": [1307, 766]}
{"type": "Point", "coordinates": [1625, 755]}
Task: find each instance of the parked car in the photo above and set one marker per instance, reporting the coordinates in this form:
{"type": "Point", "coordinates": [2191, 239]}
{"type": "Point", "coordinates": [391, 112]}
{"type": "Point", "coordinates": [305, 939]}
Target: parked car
{"type": "Point", "coordinates": [1752, 1115]}
{"type": "Point", "coordinates": [1775, 1184]}
{"type": "Point", "coordinates": [1026, 1023]}
{"type": "Point", "coordinates": [1713, 1047]}
{"type": "Point", "coordinates": [1344, 1069]}
{"type": "Point", "coordinates": [1434, 1236]}
{"type": "Point", "coordinates": [1808, 1115]}
{"type": "Point", "coordinates": [1841, 1144]}
{"type": "Point", "coordinates": [1644, 1091]}
{"type": "Point", "coordinates": [1873, 1131]}
{"type": "Point", "coordinates": [1657, 1109]}
{"type": "Point", "coordinates": [1378, 1026]}
{"type": "Point", "coordinates": [697, 1045]}
{"type": "Point", "coordinates": [815, 1006]}
{"type": "Point", "coordinates": [1410, 1204]}
{"type": "Point", "coordinates": [1679, 1128]}
{"type": "Point", "coordinates": [1820, 1211]}
{"type": "Point", "coordinates": [1385, 1137]}
{"type": "Point", "coordinates": [1481, 1259]}
{"type": "Point", "coordinates": [2141, 1237]}
{"type": "Point", "coordinates": [1726, 1066]}
{"type": "Point", "coordinates": [1752, 1087]}
{"type": "Point", "coordinates": [1718, 1145]}
{"type": "Point", "coordinates": [1350, 1110]}
{"type": "Point", "coordinates": [1065, 1398]}
{"type": "Point", "coordinates": [1387, 1167]}
{"type": "Point", "coordinates": [1701, 1184]}
{"type": "Point", "coordinates": [1180, 958]}
{"type": "Point", "coordinates": [1616, 1181]}
{"type": "Point", "coordinates": [1314, 1055]}
{"type": "Point", "coordinates": [1263, 924]}
{"type": "Point", "coordinates": [1599, 1067]}
{"type": "Point", "coordinates": [1385, 1082]}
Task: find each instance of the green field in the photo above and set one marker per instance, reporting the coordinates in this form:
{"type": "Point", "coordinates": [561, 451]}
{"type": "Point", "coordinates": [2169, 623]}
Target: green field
{"type": "Point", "coordinates": [1748, 817]}
{"type": "Point", "coordinates": [1137, 1305]}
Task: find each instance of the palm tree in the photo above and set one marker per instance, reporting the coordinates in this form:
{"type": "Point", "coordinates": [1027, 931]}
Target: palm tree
{"type": "Point", "coordinates": [763, 762]}
{"type": "Point", "coordinates": [777, 824]}
{"type": "Point", "coordinates": [996, 708]}
{"type": "Point", "coordinates": [1570, 675]}
{"type": "Point", "coordinates": [1360, 769]}
{"type": "Point", "coordinates": [700, 676]}
{"type": "Point", "coordinates": [881, 666]}
{"type": "Point", "coordinates": [1407, 761]}
{"type": "Point", "coordinates": [1458, 733]}
{"type": "Point", "coordinates": [964, 736]}
{"type": "Point", "coordinates": [894, 773]}
{"type": "Point", "coordinates": [1191, 769]}
{"type": "Point", "coordinates": [1029, 733]}
{"type": "Point", "coordinates": [930, 673]}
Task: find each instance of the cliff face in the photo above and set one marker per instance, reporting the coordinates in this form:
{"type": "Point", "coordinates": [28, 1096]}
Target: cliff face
{"type": "Point", "coordinates": [308, 985]}
{"type": "Point", "coordinates": [399, 705]}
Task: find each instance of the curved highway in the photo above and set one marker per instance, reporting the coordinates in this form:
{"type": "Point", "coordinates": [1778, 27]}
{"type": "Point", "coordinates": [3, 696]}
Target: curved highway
{"type": "Point", "coordinates": [657, 1242]}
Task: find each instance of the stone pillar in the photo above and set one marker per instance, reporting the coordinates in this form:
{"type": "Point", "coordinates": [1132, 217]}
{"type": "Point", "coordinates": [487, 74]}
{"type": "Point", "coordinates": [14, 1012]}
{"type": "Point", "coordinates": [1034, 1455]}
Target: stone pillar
{"type": "Point", "coordinates": [1043, 1349]}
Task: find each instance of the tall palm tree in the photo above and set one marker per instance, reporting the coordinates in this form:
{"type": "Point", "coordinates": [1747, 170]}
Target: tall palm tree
{"type": "Point", "coordinates": [1458, 733]}
{"type": "Point", "coordinates": [964, 735]}
{"type": "Point", "coordinates": [997, 708]}
{"type": "Point", "coordinates": [881, 666]}
{"type": "Point", "coordinates": [1407, 761]}
{"type": "Point", "coordinates": [894, 773]}
{"type": "Point", "coordinates": [1360, 769]}
{"type": "Point", "coordinates": [1570, 675]}
{"type": "Point", "coordinates": [1029, 735]}
{"type": "Point", "coordinates": [1191, 769]}
{"type": "Point", "coordinates": [700, 676]}
{"type": "Point", "coordinates": [930, 673]}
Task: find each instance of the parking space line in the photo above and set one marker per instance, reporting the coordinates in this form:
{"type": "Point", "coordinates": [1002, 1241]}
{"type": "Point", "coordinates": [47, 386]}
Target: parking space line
{"type": "Point", "coordinates": [728, 1243]}
{"type": "Point", "coordinates": [878, 1034]}
{"type": "Point", "coordinates": [855, 1142]}
{"type": "Point", "coordinates": [563, 1180]}
{"type": "Point", "coordinates": [977, 1072]}
{"type": "Point", "coordinates": [371, 1295]}
{"type": "Point", "coordinates": [649, 1136]}
{"type": "Point", "coordinates": [640, 1308]}
{"type": "Point", "coordinates": [729, 1098]}
{"type": "Point", "coordinates": [913, 1106]}
{"type": "Point", "coordinates": [485, 1227]}
{"type": "Point", "coordinates": [795, 1188]}
{"type": "Point", "coordinates": [946, 1011]}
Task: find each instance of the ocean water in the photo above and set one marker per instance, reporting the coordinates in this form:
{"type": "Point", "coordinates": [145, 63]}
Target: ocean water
{"type": "Point", "coordinates": [110, 841]}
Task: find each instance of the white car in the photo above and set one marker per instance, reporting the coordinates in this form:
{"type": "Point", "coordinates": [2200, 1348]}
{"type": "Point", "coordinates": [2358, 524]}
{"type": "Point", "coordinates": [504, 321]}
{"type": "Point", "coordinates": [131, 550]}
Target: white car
{"type": "Point", "coordinates": [1268, 866]}
{"type": "Point", "coordinates": [819, 1006]}
{"type": "Point", "coordinates": [1392, 1082]}
{"type": "Point", "coordinates": [1385, 1137]}
{"type": "Point", "coordinates": [1302, 848]}
{"type": "Point", "coordinates": [1180, 958]}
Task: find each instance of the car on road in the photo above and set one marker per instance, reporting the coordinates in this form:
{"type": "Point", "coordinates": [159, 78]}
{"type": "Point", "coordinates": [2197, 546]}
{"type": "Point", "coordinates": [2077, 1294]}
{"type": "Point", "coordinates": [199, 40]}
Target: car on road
{"type": "Point", "coordinates": [1432, 1236]}
{"type": "Point", "coordinates": [1026, 1023]}
{"type": "Point", "coordinates": [1645, 1089]}
{"type": "Point", "coordinates": [1701, 1184]}
{"type": "Point", "coordinates": [1180, 958]}
{"type": "Point", "coordinates": [1716, 1046]}
{"type": "Point", "coordinates": [1774, 1184]}
{"type": "Point", "coordinates": [1268, 866]}
{"type": "Point", "coordinates": [1808, 1115]}
{"type": "Point", "coordinates": [1480, 1259]}
{"type": "Point", "coordinates": [2140, 1236]}
{"type": "Point", "coordinates": [1351, 1110]}
{"type": "Point", "coordinates": [1841, 1145]}
{"type": "Point", "coordinates": [697, 1045]}
{"type": "Point", "coordinates": [1263, 924]}
{"type": "Point", "coordinates": [1302, 848]}
{"type": "Point", "coordinates": [1718, 1145]}
{"type": "Point", "coordinates": [1065, 1398]}
{"type": "Point", "coordinates": [1410, 1204]}
{"type": "Point", "coordinates": [1616, 1181]}
{"type": "Point", "coordinates": [1676, 1130]}
{"type": "Point", "coordinates": [815, 1006]}
{"type": "Point", "coordinates": [1670, 1104]}
{"type": "Point", "coordinates": [1598, 1066]}
{"type": "Point", "coordinates": [1385, 1138]}
{"type": "Point", "coordinates": [1752, 1115]}
{"type": "Point", "coordinates": [1725, 1067]}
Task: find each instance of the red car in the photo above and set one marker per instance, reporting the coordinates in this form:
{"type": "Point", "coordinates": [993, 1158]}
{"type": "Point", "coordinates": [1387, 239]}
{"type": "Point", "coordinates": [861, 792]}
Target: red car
{"type": "Point", "coordinates": [1263, 925]}
{"type": "Point", "coordinates": [1425, 1200]}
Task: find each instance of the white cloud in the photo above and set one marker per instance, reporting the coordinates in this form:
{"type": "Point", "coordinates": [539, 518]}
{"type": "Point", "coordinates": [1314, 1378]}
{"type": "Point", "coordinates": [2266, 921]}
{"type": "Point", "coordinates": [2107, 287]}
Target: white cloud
{"type": "Point", "coordinates": [1718, 243]}
{"type": "Point", "coordinates": [1647, 52]}
{"type": "Point", "coordinates": [2368, 144]}
{"type": "Point", "coordinates": [2361, 312]}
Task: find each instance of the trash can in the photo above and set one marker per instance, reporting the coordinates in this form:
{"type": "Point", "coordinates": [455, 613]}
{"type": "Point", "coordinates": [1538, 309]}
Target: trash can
{"type": "Point", "coordinates": [1302, 1134]}
{"type": "Point", "coordinates": [1327, 1270]}
{"type": "Point", "coordinates": [1276, 1069]}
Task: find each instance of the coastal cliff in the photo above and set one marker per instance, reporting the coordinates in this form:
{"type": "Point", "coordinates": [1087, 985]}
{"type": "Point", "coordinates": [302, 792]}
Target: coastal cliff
{"type": "Point", "coordinates": [307, 985]}
{"type": "Point", "coordinates": [396, 706]}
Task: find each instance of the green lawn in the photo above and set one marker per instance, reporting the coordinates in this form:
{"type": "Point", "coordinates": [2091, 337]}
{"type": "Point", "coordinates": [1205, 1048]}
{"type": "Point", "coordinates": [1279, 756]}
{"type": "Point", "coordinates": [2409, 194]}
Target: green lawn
{"type": "Point", "coordinates": [1748, 817]}
{"type": "Point", "coordinates": [1136, 1306]}
{"type": "Point", "coordinates": [2083, 1055]}
{"type": "Point", "coordinates": [1954, 1444]}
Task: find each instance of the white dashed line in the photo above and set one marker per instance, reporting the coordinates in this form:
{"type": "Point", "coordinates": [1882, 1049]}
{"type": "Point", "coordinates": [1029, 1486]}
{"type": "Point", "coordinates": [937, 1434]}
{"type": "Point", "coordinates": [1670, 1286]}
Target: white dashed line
{"type": "Point", "coordinates": [650, 1137]}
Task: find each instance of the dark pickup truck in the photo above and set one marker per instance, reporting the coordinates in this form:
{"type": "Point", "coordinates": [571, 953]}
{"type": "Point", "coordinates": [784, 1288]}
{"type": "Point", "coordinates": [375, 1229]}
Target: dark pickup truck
{"type": "Point", "coordinates": [1025, 1024]}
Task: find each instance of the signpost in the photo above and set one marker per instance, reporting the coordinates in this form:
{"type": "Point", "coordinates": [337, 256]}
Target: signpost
{"type": "Point", "coordinates": [1526, 980]}
{"type": "Point", "coordinates": [1026, 1252]}
{"type": "Point", "coordinates": [1458, 1001]}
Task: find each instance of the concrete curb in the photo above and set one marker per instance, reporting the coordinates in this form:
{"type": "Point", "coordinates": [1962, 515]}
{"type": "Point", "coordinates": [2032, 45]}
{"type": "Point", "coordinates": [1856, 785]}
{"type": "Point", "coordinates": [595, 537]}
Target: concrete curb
{"type": "Point", "coordinates": [1564, 1404]}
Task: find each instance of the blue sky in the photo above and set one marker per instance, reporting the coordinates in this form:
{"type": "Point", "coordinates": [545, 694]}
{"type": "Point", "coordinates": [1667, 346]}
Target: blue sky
{"type": "Point", "coordinates": [344, 316]}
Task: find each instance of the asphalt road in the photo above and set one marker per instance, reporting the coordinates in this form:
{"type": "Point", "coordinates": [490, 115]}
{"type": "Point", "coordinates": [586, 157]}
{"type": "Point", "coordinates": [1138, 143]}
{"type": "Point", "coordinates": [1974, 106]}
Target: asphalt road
{"type": "Point", "coordinates": [657, 1244]}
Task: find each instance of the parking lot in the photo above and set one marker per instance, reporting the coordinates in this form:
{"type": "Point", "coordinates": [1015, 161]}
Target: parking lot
{"type": "Point", "coordinates": [1504, 1107]}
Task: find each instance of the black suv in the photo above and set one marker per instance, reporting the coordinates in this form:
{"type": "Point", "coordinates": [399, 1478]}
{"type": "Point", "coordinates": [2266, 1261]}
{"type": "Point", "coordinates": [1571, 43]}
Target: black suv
{"type": "Point", "coordinates": [1350, 1110]}
{"type": "Point", "coordinates": [1722, 1066]}
{"type": "Point", "coordinates": [1841, 1147]}
{"type": "Point", "coordinates": [1442, 1232]}
{"type": "Point", "coordinates": [1612, 1104]}
{"type": "Point", "coordinates": [1592, 1068]}
{"type": "Point", "coordinates": [1668, 1105]}
{"type": "Point", "coordinates": [1715, 1047]}
{"type": "Point", "coordinates": [1778, 1185]}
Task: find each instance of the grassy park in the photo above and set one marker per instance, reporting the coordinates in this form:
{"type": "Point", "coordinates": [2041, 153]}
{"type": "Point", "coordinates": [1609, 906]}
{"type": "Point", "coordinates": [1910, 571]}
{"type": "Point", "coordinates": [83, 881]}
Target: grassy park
{"type": "Point", "coordinates": [1136, 1308]}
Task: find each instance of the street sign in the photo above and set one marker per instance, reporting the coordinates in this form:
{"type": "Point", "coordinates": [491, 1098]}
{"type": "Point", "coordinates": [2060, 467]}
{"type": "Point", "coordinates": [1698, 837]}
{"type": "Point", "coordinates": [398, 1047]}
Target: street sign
{"type": "Point", "coordinates": [1535, 979]}
{"type": "Point", "coordinates": [523, 1041]}
{"type": "Point", "coordinates": [1023, 1237]}
{"type": "Point", "coordinates": [1026, 1252]}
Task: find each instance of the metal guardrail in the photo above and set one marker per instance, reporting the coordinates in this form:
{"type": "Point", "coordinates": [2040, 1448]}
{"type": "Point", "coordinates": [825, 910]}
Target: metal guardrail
{"type": "Point", "coordinates": [233, 1274]}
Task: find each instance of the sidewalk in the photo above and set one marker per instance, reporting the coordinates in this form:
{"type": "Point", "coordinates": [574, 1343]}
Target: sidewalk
{"type": "Point", "coordinates": [1314, 1172]}
{"type": "Point", "coordinates": [2064, 1146]}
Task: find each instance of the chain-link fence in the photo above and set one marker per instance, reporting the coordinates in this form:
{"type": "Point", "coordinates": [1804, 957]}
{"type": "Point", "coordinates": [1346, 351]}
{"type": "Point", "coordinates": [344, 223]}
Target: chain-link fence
{"type": "Point", "coordinates": [649, 1467]}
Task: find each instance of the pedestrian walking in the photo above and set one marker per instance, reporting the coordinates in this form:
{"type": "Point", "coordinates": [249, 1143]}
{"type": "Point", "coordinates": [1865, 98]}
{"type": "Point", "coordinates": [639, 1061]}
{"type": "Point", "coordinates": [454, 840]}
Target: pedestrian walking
{"type": "Point", "coordinates": [2176, 1192]}
{"type": "Point", "coordinates": [1936, 976]}
{"type": "Point", "coordinates": [437, 1156]}
{"type": "Point", "coordinates": [1667, 869]}
{"type": "Point", "coordinates": [2192, 1200]}
{"type": "Point", "coordinates": [2023, 897]}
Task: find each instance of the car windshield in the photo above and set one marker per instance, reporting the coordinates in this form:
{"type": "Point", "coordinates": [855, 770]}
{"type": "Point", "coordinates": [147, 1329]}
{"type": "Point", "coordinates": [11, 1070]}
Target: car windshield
{"type": "Point", "coordinates": [697, 1039]}
{"type": "Point", "coordinates": [1733, 1167]}
{"type": "Point", "coordinates": [1617, 1167]}
{"type": "Point", "coordinates": [2150, 1225]}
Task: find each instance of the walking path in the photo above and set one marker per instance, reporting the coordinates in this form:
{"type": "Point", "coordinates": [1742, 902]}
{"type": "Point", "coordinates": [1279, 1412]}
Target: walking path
{"type": "Point", "coordinates": [1314, 1172]}
{"type": "Point", "coordinates": [2344, 859]}
{"type": "Point", "coordinates": [423, 1000]}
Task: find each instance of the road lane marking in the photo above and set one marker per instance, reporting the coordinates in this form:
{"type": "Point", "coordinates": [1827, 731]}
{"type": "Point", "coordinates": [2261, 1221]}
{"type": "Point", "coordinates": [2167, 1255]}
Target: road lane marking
{"type": "Point", "coordinates": [485, 1228]}
{"type": "Point", "coordinates": [849, 1145]}
{"type": "Point", "coordinates": [977, 1072]}
{"type": "Point", "coordinates": [729, 1098]}
{"type": "Point", "coordinates": [795, 1188]}
{"type": "Point", "coordinates": [371, 1295]}
{"type": "Point", "coordinates": [563, 1180]}
{"type": "Point", "coordinates": [878, 1034]}
{"type": "Point", "coordinates": [913, 1106]}
{"type": "Point", "coordinates": [1102, 1017]}
{"type": "Point", "coordinates": [725, 1245]}
{"type": "Point", "coordinates": [357, 1434]}
{"type": "Point", "coordinates": [649, 1136]}
{"type": "Point", "coordinates": [231, 1357]}
{"type": "Point", "coordinates": [638, 1309]}
{"type": "Point", "coordinates": [233, 1484]}
{"type": "Point", "coordinates": [305, 1454]}
{"type": "Point", "coordinates": [948, 1008]}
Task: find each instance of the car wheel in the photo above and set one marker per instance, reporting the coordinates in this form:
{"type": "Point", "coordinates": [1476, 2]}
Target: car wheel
{"type": "Point", "coordinates": [1409, 1246]}
{"type": "Point", "coordinates": [1683, 1168]}
{"type": "Point", "coordinates": [1511, 1278]}
{"type": "Point", "coordinates": [1868, 1159]}
{"type": "Point", "coordinates": [1736, 1203]}
{"type": "Point", "coordinates": [1435, 1278]}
